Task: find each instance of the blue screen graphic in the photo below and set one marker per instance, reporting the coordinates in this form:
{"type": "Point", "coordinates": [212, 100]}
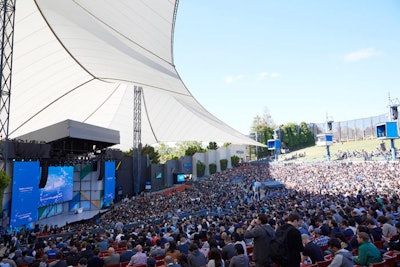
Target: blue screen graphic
{"type": "Point", "coordinates": [180, 178]}
{"type": "Point", "coordinates": [59, 186]}
{"type": "Point", "coordinates": [25, 193]}
{"type": "Point", "coordinates": [109, 182]}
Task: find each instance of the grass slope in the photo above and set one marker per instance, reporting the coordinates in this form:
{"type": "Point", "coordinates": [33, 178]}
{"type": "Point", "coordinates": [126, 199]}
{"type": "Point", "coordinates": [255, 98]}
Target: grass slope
{"type": "Point", "coordinates": [318, 153]}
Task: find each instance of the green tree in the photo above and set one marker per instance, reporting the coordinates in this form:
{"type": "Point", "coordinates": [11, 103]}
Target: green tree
{"type": "Point", "coordinates": [293, 136]}
{"type": "Point", "coordinates": [181, 147]}
{"type": "Point", "coordinates": [153, 154]}
{"type": "Point", "coordinates": [262, 122]}
{"type": "Point", "coordinates": [213, 168]}
{"type": "Point", "coordinates": [5, 180]}
{"type": "Point", "coordinates": [212, 146]}
{"type": "Point", "coordinates": [165, 151]}
{"type": "Point", "coordinates": [297, 136]}
{"type": "Point", "coordinates": [235, 161]}
{"type": "Point", "coordinates": [290, 136]}
{"type": "Point", "coordinates": [224, 164]}
{"type": "Point", "coordinates": [306, 134]}
{"type": "Point", "coordinates": [193, 149]}
{"type": "Point", "coordinates": [128, 153]}
{"type": "Point", "coordinates": [201, 169]}
{"type": "Point", "coordinates": [262, 130]}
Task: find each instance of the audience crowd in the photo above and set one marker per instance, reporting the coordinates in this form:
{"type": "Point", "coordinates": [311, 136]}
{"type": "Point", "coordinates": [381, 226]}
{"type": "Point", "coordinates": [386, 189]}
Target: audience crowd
{"type": "Point", "coordinates": [209, 224]}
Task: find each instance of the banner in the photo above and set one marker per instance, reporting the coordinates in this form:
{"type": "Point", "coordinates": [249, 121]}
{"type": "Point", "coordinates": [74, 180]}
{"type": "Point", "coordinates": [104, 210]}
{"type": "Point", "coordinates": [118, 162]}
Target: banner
{"type": "Point", "coordinates": [25, 193]}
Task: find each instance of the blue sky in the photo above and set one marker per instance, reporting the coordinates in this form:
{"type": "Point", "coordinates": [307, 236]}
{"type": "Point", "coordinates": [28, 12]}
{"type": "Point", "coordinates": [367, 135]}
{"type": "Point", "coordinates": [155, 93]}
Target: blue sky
{"type": "Point", "coordinates": [301, 60]}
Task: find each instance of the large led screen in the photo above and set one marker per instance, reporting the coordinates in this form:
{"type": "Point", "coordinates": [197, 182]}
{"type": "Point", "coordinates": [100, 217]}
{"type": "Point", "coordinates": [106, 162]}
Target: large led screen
{"type": "Point", "coordinates": [59, 185]}
{"type": "Point", "coordinates": [109, 182]}
{"type": "Point", "coordinates": [25, 192]}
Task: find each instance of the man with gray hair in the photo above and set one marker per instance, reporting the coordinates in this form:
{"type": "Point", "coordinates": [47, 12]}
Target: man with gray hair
{"type": "Point", "coordinates": [139, 258]}
{"type": "Point", "coordinates": [170, 262]}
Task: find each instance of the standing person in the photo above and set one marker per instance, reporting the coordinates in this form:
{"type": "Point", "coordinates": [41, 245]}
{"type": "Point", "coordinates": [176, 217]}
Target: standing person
{"type": "Point", "coordinates": [342, 257]}
{"type": "Point", "coordinates": [262, 234]}
{"type": "Point", "coordinates": [287, 245]}
{"type": "Point", "coordinates": [240, 260]}
{"type": "Point", "coordinates": [367, 252]}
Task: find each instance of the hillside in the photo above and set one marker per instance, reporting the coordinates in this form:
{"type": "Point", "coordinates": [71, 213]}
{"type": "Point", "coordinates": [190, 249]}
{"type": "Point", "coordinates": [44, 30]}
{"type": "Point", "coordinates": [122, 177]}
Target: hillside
{"type": "Point", "coordinates": [317, 153]}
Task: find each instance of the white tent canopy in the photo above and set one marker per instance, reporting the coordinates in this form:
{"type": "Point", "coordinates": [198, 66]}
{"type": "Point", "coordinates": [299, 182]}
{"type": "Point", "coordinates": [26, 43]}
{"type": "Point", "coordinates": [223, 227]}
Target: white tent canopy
{"type": "Point", "coordinates": [80, 60]}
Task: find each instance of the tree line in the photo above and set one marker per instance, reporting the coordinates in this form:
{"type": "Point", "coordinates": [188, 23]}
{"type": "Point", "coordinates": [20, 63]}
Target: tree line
{"type": "Point", "coordinates": [291, 135]}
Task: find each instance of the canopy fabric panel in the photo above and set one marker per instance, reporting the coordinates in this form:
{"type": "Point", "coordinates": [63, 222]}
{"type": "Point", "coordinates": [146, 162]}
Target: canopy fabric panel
{"type": "Point", "coordinates": [80, 60]}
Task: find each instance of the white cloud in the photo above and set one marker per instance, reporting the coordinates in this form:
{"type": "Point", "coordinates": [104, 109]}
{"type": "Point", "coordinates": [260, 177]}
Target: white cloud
{"type": "Point", "coordinates": [262, 75]}
{"type": "Point", "coordinates": [240, 77]}
{"type": "Point", "coordinates": [275, 75]}
{"type": "Point", "coordinates": [231, 78]}
{"type": "Point", "coordinates": [362, 54]}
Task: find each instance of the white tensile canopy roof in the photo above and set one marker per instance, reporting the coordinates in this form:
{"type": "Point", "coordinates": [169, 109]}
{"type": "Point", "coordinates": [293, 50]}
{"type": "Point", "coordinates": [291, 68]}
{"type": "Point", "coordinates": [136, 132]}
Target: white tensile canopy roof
{"type": "Point", "coordinates": [80, 60]}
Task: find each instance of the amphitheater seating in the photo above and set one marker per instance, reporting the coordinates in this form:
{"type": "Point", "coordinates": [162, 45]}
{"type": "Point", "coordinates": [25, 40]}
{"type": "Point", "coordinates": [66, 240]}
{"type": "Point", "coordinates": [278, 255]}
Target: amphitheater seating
{"type": "Point", "coordinates": [379, 244]}
{"type": "Point", "coordinates": [323, 248]}
{"type": "Point", "coordinates": [390, 261]}
{"type": "Point", "coordinates": [323, 263]}
{"type": "Point", "coordinates": [159, 262]}
{"type": "Point", "coordinates": [378, 264]}
{"type": "Point", "coordinates": [159, 258]}
{"type": "Point", "coordinates": [249, 249]}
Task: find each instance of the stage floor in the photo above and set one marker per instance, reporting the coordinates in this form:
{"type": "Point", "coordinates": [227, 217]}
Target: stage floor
{"type": "Point", "coordinates": [71, 217]}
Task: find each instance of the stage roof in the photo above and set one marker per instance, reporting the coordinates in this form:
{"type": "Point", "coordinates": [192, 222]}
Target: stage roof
{"type": "Point", "coordinates": [73, 129]}
{"type": "Point", "coordinates": [81, 59]}
{"type": "Point", "coordinates": [73, 137]}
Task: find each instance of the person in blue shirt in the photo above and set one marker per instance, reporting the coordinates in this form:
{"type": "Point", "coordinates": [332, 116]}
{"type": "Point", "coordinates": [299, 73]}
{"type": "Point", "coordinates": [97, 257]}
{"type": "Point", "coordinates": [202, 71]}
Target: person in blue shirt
{"type": "Point", "coordinates": [52, 252]}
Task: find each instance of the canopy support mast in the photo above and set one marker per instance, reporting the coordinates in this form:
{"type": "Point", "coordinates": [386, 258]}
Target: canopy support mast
{"type": "Point", "coordinates": [7, 45]}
